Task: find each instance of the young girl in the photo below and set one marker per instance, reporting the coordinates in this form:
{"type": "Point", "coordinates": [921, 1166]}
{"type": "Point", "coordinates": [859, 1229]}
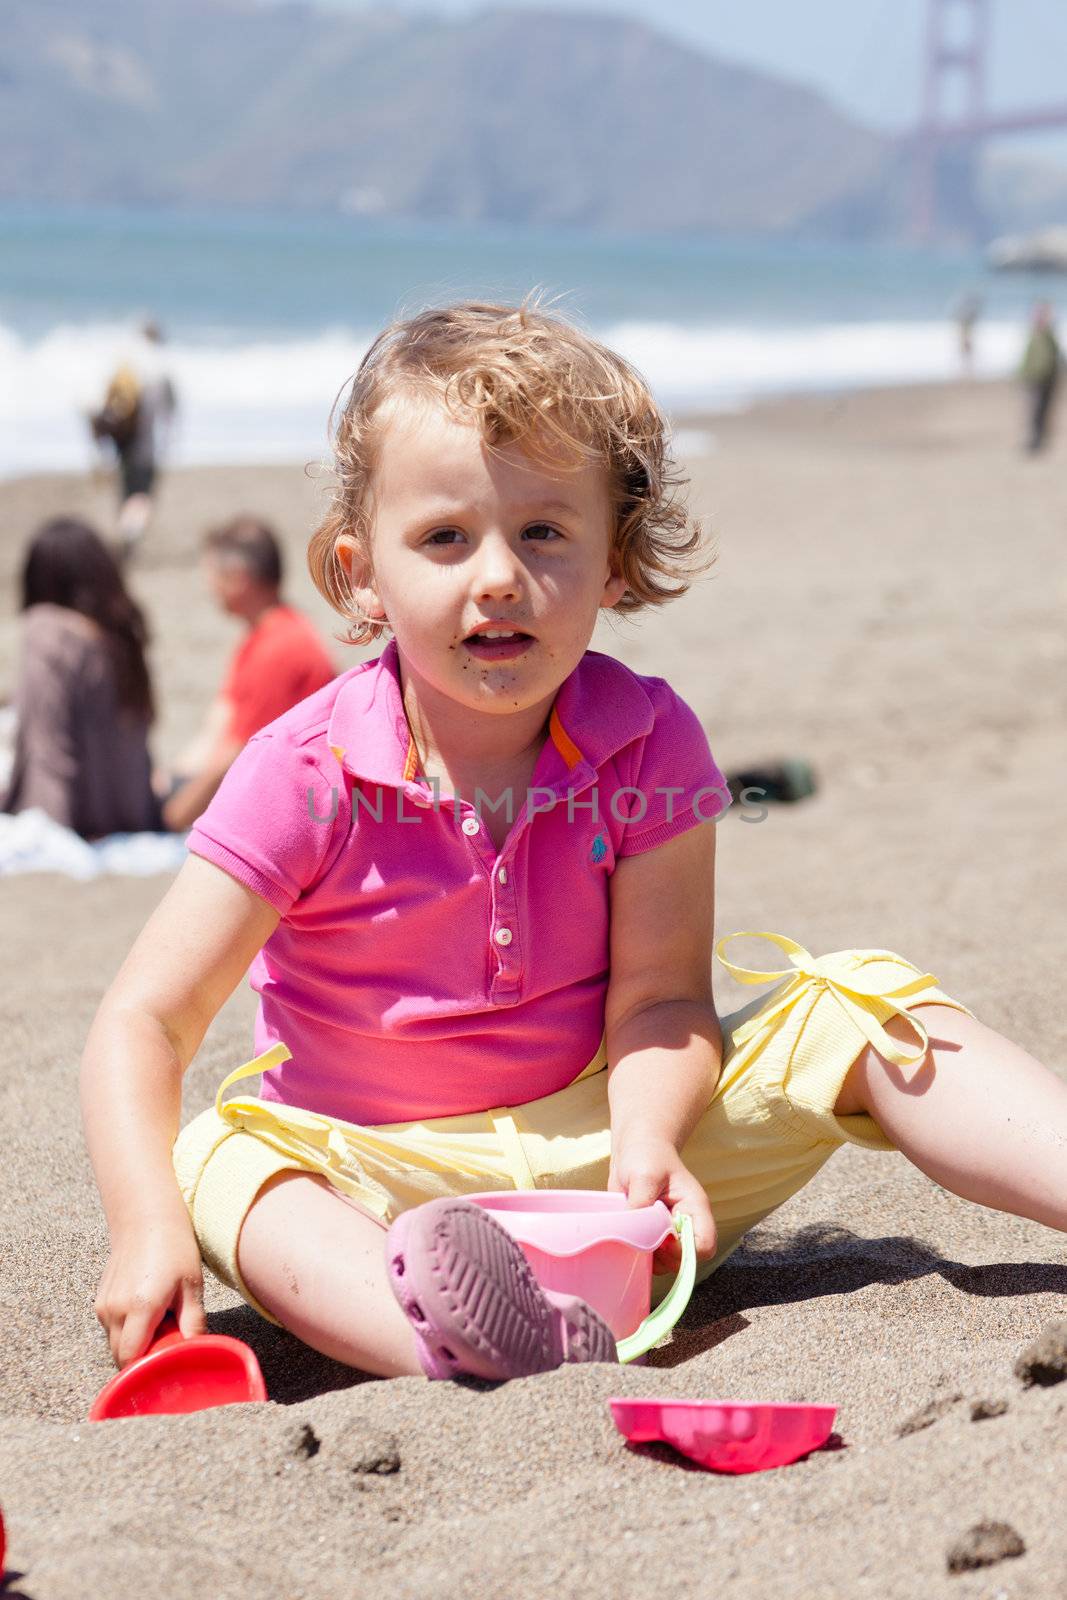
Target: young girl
{"type": "Point", "coordinates": [474, 879]}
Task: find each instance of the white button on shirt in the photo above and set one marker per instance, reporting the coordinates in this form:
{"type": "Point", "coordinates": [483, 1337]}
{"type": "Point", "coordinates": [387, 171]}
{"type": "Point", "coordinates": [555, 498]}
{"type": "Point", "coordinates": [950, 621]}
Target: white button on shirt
{"type": "Point", "coordinates": [414, 1047]}
{"type": "Point", "coordinates": [503, 875]}
{"type": "Point", "coordinates": [503, 936]}
{"type": "Point", "coordinates": [470, 824]}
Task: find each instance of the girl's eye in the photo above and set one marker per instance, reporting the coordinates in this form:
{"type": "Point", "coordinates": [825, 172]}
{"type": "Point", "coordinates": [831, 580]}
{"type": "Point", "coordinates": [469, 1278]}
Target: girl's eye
{"type": "Point", "coordinates": [542, 532]}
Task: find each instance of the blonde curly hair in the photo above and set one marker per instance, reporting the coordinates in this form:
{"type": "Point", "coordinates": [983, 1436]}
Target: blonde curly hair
{"type": "Point", "coordinates": [523, 375]}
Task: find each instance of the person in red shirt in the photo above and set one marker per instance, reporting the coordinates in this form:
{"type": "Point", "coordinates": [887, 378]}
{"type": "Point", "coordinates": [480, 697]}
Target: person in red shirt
{"type": "Point", "coordinates": [280, 661]}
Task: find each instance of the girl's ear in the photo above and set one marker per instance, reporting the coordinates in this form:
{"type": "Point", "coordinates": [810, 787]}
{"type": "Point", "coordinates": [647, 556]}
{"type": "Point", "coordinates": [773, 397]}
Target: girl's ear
{"type": "Point", "coordinates": [614, 590]}
{"type": "Point", "coordinates": [352, 560]}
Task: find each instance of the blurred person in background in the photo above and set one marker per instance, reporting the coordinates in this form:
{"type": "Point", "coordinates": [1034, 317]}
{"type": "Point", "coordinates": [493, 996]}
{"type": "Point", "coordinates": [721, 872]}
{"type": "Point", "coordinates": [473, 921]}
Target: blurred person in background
{"type": "Point", "coordinates": [968, 311]}
{"type": "Point", "coordinates": [83, 700]}
{"type": "Point", "coordinates": [1040, 373]}
{"type": "Point", "coordinates": [280, 661]}
{"type": "Point", "coordinates": [136, 421]}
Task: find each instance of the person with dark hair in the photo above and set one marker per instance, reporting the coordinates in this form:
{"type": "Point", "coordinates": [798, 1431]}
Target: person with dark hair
{"type": "Point", "coordinates": [280, 661]}
{"type": "Point", "coordinates": [83, 701]}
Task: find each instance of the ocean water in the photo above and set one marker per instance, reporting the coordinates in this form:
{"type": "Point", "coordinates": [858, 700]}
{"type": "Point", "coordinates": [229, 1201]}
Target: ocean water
{"type": "Point", "coordinates": [267, 317]}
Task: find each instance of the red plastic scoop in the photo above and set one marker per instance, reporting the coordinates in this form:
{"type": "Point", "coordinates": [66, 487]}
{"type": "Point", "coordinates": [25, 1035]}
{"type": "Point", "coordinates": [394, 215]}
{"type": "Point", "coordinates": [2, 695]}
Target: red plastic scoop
{"type": "Point", "coordinates": [727, 1435]}
{"type": "Point", "coordinates": [179, 1375]}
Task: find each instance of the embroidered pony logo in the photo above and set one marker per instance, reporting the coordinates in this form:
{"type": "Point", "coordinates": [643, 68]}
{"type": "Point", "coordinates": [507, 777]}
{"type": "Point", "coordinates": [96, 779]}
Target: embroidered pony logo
{"type": "Point", "coordinates": [598, 850]}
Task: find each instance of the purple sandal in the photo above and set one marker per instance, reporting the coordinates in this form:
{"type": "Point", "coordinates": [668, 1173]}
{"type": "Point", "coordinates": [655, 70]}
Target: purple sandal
{"type": "Point", "coordinates": [473, 1301]}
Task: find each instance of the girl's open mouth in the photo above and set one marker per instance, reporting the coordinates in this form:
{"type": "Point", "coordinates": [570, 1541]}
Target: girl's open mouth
{"type": "Point", "coordinates": [488, 648]}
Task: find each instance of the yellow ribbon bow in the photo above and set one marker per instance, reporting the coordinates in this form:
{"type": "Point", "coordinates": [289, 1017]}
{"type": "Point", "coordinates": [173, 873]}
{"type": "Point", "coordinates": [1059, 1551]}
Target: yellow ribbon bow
{"type": "Point", "coordinates": [316, 1133]}
{"type": "Point", "coordinates": [844, 983]}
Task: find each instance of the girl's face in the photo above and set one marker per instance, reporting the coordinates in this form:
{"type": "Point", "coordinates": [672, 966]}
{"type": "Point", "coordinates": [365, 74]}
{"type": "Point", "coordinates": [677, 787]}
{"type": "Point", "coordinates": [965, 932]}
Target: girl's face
{"type": "Point", "coordinates": [462, 538]}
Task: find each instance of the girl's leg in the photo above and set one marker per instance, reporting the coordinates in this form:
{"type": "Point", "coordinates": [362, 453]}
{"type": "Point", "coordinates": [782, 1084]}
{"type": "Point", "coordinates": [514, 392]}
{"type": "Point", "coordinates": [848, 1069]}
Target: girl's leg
{"type": "Point", "coordinates": [317, 1263]}
{"type": "Point", "coordinates": [979, 1115]}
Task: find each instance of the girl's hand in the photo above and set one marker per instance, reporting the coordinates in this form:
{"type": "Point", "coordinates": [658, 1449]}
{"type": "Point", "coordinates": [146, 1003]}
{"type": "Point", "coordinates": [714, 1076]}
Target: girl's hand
{"type": "Point", "coordinates": [153, 1268]}
{"type": "Point", "coordinates": [651, 1169]}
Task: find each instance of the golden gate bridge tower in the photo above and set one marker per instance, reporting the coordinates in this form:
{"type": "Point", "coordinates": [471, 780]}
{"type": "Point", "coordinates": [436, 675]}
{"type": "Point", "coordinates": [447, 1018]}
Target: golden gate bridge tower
{"type": "Point", "coordinates": [954, 121]}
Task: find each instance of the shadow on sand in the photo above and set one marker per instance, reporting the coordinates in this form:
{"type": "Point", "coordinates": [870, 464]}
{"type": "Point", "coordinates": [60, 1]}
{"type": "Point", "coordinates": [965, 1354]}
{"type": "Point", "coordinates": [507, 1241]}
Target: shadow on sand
{"type": "Point", "coordinates": [821, 1260]}
{"type": "Point", "coordinates": [815, 1261]}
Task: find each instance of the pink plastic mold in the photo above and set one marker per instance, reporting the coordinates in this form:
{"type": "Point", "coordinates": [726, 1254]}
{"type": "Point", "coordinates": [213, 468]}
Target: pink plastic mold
{"type": "Point", "coordinates": [727, 1435]}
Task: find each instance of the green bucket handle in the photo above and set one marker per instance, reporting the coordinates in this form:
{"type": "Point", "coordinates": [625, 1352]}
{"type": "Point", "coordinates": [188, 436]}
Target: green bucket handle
{"type": "Point", "coordinates": [658, 1323]}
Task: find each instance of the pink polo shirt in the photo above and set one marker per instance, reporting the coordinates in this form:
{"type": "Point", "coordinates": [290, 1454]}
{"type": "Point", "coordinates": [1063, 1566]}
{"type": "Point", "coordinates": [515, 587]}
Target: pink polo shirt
{"type": "Point", "coordinates": [416, 972]}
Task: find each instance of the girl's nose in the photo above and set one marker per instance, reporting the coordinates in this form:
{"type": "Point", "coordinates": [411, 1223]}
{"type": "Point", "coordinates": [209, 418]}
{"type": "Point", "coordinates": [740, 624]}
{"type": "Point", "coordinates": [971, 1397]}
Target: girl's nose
{"type": "Point", "coordinates": [499, 574]}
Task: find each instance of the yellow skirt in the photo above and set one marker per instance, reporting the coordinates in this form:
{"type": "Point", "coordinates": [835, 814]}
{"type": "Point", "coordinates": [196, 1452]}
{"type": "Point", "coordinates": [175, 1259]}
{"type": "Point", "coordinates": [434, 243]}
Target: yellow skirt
{"type": "Point", "coordinates": [770, 1127]}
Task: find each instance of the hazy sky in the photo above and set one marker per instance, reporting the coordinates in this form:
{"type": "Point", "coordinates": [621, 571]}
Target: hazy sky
{"type": "Point", "coordinates": [866, 54]}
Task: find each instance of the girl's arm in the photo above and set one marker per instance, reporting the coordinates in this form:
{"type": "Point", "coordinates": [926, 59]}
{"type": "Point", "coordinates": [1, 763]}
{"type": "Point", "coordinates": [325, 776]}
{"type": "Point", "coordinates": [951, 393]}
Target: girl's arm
{"type": "Point", "coordinates": [664, 1041]}
{"type": "Point", "coordinates": [192, 953]}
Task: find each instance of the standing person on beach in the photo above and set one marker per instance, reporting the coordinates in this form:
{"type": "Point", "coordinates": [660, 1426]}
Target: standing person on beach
{"type": "Point", "coordinates": [507, 985]}
{"type": "Point", "coordinates": [1040, 373]}
{"type": "Point", "coordinates": [968, 311]}
{"type": "Point", "coordinates": [84, 701]}
{"type": "Point", "coordinates": [136, 420]}
{"type": "Point", "coordinates": [280, 661]}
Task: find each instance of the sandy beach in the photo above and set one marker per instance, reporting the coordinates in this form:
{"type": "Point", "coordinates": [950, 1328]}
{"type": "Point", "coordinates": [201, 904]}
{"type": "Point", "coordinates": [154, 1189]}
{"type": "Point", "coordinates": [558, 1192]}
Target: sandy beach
{"type": "Point", "coordinates": [889, 604]}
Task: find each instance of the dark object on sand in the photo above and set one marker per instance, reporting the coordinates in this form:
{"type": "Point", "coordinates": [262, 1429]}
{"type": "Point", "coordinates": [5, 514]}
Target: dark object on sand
{"type": "Point", "coordinates": [928, 1415]}
{"type": "Point", "coordinates": [780, 781]}
{"type": "Point", "coordinates": [1045, 1361]}
{"type": "Point", "coordinates": [376, 1455]}
{"type": "Point", "coordinates": [300, 1442]}
{"type": "Point", "coordinates": [980, 1409]}
{"type": "Point", "coordinates": [984, 1545]}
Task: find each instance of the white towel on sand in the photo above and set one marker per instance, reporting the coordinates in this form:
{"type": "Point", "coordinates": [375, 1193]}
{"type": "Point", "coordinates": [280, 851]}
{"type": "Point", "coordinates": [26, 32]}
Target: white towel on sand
{"type": "Point", "coordinates": [30, 841]}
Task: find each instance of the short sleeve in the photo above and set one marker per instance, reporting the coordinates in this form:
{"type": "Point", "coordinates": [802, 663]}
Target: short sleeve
{"type": "Point", "coordinates": [677, 784]}
{"type": "Point", "coordinates": [276, 669]}
{"type": "Point", "coordinates": [277, 819]}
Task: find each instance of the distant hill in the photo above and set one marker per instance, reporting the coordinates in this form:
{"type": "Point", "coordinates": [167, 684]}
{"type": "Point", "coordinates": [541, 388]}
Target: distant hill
{"type": "Point", "coordinates": [511, 116]}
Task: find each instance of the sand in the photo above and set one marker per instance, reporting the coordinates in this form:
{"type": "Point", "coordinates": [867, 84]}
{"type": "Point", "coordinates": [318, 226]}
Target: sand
{"type": "Point", "coordinates": [888, 603]}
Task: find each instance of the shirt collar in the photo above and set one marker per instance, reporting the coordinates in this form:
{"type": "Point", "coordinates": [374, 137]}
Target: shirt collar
{"type": "Point", "coordinates": [600, 708]}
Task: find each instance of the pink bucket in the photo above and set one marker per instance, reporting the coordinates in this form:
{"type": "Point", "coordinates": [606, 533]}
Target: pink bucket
{"type": "Point", "coordinates": [587, 1243]}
